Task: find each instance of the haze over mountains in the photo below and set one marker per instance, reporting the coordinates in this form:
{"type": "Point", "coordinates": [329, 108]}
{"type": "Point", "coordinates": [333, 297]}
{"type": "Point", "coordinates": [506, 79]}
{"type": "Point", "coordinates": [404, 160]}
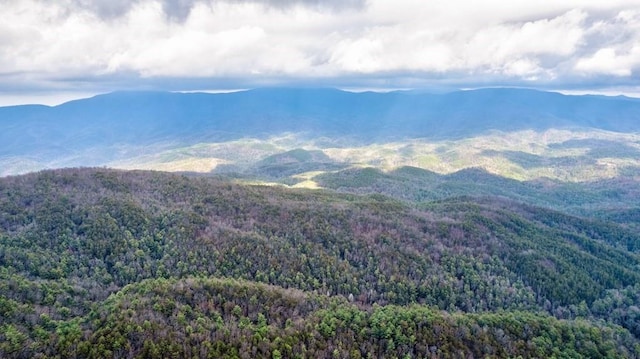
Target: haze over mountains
{"type": "Point", "coordinates": [150, 116]}
{"type": "Point", "coordinates": [119, 129]}
{"type": "Point", "coordinates": [520, 144]}
{"type": "Point", "coordinates": [405, 144]}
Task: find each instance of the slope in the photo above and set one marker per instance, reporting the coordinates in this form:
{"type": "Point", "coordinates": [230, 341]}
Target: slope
{"type": "Point", "coordinates": [71, 238]}
{"type": "Point", "coordinates": [608, 200]}
{"type": "Point", "coordinates": [197, 317]}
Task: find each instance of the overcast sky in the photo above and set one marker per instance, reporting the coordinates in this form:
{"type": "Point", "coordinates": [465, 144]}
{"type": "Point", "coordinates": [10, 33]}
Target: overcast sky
{"type": "Point", "coordinates": [54, 50]}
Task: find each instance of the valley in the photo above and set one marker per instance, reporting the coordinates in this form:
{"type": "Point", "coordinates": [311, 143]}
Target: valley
{"type": "Point", "coordinates": [516, 133]}
{"type": "Point", "coordinates": [564, 155]}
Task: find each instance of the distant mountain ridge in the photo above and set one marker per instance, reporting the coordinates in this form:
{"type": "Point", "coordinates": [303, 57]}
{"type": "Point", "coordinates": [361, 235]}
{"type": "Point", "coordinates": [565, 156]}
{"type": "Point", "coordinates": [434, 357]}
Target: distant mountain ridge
{"type": "Point", "coordinates": [151, 116]}
{"type": "Point", "coordinates": [98, 130]}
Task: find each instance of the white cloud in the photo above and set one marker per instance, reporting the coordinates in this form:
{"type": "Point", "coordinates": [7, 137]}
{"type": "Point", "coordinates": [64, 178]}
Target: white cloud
{"type": "Point", "coordinates": [358, 55]}
{"type": "Point", "coordinates": [507, 48]}
{"type": "Point", "coordinates": [608, 61]}
{"type": "Point", "coordinates": [518, 48]}
{"type": "Point", "coordinates": [618, 53]}
{"type": "Point", "coordinates": [403, 41]}
{"type": "Point", "coordinates": [524, 68]}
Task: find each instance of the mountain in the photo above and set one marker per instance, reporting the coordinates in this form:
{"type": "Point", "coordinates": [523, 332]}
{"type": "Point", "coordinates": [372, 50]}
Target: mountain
{"type": "Point", "coordinates": [97, 262]}
{"type": "Point", "coordinates": [80, 132]}
{"type": "Point", "coordinates": [290, 163]}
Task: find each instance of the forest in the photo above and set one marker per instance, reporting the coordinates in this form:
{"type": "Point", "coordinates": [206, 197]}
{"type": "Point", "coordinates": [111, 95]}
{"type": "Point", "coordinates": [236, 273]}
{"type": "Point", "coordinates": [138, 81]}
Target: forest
{"type": "Point", "coordinates": [97, 262]}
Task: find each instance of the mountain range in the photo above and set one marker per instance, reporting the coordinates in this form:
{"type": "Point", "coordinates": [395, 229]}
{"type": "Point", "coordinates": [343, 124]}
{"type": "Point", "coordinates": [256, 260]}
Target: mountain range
{"type": "Point", "coordinates": [71, 132]}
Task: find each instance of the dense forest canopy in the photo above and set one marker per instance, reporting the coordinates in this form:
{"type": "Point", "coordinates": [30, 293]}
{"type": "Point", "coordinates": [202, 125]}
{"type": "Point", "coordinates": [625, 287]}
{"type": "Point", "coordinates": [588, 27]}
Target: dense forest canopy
{"type": "Point", "coordinates": [97, 262]}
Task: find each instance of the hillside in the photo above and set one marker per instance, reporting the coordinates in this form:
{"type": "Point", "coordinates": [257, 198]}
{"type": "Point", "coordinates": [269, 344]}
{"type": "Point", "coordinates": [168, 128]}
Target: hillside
{"type": "Point", "coordinates": [99, 262]}
{"type": "Point", "coordinates": [608, 200]}
{"type": "Point", "coordinates": [286, 165]}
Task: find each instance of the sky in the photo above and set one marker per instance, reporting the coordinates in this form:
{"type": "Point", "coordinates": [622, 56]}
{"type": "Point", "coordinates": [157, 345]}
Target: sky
{"type": "Point", "coordinates": [52, 51]}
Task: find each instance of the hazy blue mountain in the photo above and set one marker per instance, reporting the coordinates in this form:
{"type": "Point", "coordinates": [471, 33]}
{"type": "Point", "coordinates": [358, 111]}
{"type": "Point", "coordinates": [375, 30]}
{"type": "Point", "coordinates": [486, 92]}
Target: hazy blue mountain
{"type": "Point", "coordinates": [144, 118]}
{"type": "Point", "coordinates": [267, 110]}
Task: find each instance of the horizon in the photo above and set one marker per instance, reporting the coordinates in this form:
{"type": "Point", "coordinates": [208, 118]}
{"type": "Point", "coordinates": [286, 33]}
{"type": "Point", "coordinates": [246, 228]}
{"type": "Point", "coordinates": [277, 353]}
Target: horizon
{"type": "Point", "coordinates": [60, 99]}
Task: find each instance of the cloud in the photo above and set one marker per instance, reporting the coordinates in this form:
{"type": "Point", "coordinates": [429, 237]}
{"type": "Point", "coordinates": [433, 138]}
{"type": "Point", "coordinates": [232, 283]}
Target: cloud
{"type": "Point", "coordinates": [105, 9]}
{"type": "Point", "coordinates": [510, 48]}
{"type": "Point", "coordinates": [608, 62]}
{"type": "Point", "coordinates": [180, 9]}
{"type": "Point", "coordinates": [68, 44]}
{"type": "Point", "coordinates": [614, 47]}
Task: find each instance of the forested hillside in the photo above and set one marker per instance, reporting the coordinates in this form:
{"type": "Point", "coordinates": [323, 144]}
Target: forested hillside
{"type": "Point", "coordinates": [105, 263]}
{"type": "Point", "coordinates": [614, 199]}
